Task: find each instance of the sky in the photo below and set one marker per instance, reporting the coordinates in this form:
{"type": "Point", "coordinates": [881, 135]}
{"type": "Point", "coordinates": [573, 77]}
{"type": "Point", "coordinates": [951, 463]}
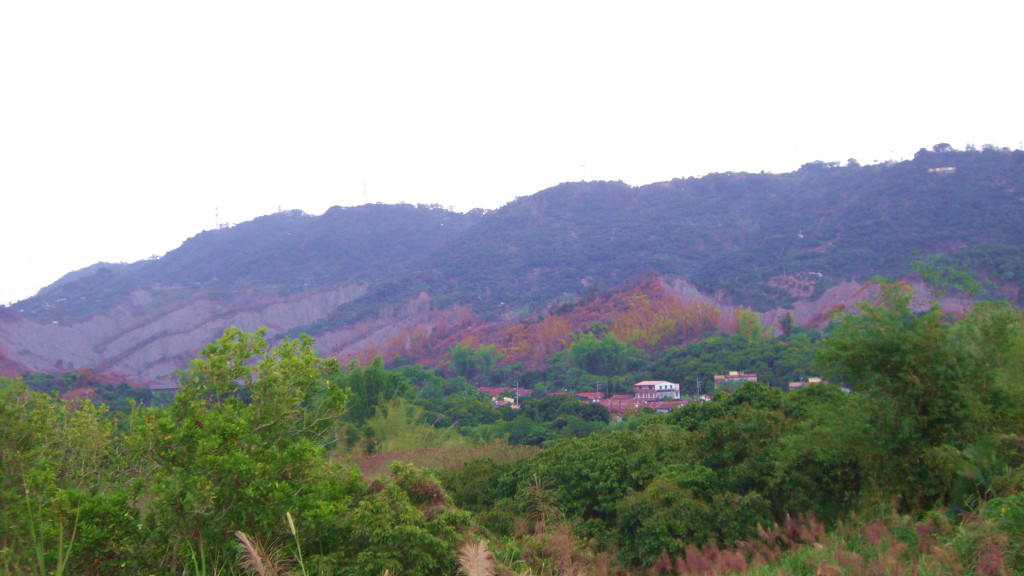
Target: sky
{"type": "Point", "coordinates": [128, 127]}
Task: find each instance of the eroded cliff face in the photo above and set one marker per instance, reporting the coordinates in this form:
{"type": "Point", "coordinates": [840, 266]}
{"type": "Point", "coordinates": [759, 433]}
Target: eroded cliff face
{"type": "Point", "coordinates": [146, 342]}
{"type": "Point", "coordinates": [818, 312]}
{"type": "Point", "coordinates": [815, 314]}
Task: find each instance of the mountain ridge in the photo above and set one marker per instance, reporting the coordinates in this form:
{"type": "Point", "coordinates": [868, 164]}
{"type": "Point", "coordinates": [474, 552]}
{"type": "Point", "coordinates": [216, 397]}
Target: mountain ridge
{"type": "Point", "coordinates": [355, 278]}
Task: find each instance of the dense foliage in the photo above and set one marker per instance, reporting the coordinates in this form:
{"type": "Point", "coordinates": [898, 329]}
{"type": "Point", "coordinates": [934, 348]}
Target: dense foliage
{"type": "Point", "coordinates": [261, 452]}
{"type": "Point", "coordinates": [117, 397]}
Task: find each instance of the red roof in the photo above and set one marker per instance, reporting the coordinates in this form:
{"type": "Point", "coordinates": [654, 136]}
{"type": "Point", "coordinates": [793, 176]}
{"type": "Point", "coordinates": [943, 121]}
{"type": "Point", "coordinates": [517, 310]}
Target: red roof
{"type": "Point", "coordinates": [621, 404]}
{"type": "Point", "coordinates": [668, 405]}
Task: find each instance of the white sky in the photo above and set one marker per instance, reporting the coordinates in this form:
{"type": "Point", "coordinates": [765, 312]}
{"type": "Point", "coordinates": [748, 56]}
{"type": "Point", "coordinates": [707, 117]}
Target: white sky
{"type": "Point", "coordinates": [127, 127]}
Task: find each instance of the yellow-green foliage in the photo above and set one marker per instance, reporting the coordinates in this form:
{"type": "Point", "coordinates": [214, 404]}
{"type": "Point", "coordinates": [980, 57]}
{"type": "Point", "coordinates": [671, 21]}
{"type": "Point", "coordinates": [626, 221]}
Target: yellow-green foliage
{"type": "Point", "coordinates": [63, 484]}
{"type": "Point", "coordinates": [397, 427]}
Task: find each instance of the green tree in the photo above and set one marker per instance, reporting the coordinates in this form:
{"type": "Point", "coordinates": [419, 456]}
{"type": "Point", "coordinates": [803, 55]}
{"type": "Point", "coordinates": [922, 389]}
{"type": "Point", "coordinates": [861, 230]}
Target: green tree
{"type": "Point", "coordinates": [463, 361]}
{"type": "Point", "coordinates": [991, 338]}
{"type": "Point", "coordinates": [241, 446]}
{"type": "Point", "coordinates": [943, 276]}
{"type": "Point", "coordinates": [605, 356]}
{"type": "Point", "coordinates": [473, 363]}
{"type": "Point", "coordinates": [786, 324]}
{"type": "Point", "coordinates": [589, 476]}
{"type": "Point", "coordinates": [408, 527]}
{"type": "Point", "coordinates": [368, 387]}
{"type": "Point", "coordinates": [818, 461]}
{"type": "Point", "coordinates": [661, 518]}
{"type": "Point", "coordinates": [486, 358]}
{"type": "Point", "coordinates": [920, 396]}
{"type": "Point", "coordinates": [739, 443]}
{"type": "Point", "coordinates": [750, 326]}
{"type": "Point", "coordinates": [66, 492]}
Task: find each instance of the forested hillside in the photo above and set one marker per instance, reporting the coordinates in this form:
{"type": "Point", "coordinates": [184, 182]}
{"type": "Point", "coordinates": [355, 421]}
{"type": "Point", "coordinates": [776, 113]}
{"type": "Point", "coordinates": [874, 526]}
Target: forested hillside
{"type": "Point", "coordinates": [357, 278]}
{"type": "Point", "coordinates": [272, 459]}
{"type": "Point", "coordinates": [273, 255]}
{"type": "Point", "coordinates": [409, 390]}
{"type": "Point", "coordinates": [749, 234]}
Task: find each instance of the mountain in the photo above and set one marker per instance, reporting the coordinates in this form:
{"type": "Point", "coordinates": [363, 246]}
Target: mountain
{"type": "Point", "coordinates": [354, 278]}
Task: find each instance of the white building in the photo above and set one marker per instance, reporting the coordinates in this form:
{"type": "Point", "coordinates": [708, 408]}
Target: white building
{"type": "Point", "coordinates": [655, 390]}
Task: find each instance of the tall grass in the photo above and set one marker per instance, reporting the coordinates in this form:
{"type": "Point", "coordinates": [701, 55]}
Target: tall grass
{"type": "Point", "coordinates": [259, 560]}
{"type": "Point", "coordinates": [400, 434]}
{"type": "Point", "coordinates": [298, 547]}
{"type": "Point", "coordinates": [262, 560]}
{"type": "Point", "coordinates": [199, 563]}
{"type": "Point", "coordinates": [475, 559]}
{"type": "Point", "coordinates": [397, 427]}
{"type": "Point", "coordinates": [895, 545]}
{"type": "Point", "coordinates": [39, 539]}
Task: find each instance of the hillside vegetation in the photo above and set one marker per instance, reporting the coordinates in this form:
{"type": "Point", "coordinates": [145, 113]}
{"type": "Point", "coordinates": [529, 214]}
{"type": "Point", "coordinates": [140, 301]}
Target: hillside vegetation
{"type": "Point", "coordinates": [360, 279]}
{"type": "Point", "coordinates": [392, 389]}
{"type": "Point", "coordinates": [272, 459]}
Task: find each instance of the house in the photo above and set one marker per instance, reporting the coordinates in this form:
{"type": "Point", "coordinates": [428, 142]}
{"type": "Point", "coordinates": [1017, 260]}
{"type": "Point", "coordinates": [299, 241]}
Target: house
{"type": "Point", "coordinates": [621, 398]}
{"type": "Point", "coordinates": [495, 392]}
{"type": "Point", "coordinates": [590, 396]}
{"type": "Point", "coordinates": [507, 393]}
{"type": "Point", "coordinates": [733, 379]}
{"type": "Point", "coordinates": [621, 404]}
{"type": "Point", "coordinates": [655, 390]}
{"type": "Point", "coordinates": [668, 406]}
{"type": "Point", "coordinates": [807, 382]}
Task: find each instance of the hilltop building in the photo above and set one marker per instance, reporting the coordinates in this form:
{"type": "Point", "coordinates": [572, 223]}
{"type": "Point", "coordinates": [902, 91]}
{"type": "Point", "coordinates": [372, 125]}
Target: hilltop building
{"type": "Point", "coordinates": [591, 397]}
{"type": "Point", "coordinates": [655, 390]}
{"type": "Point", "coordinates": [504, 395]}
{"type": "Point", "coordinates": [807, 382]}
{"type": "Point", "coordinates": [732, 380]}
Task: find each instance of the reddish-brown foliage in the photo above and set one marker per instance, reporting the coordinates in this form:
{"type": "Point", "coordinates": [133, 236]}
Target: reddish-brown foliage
{"type": "Point", "coordinates": [647, 314]}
